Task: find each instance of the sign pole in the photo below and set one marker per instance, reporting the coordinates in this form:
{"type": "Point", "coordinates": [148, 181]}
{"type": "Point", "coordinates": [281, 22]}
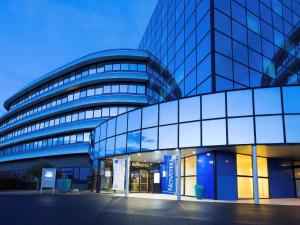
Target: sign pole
{"type": "Point", "coordinates": [178, 165]}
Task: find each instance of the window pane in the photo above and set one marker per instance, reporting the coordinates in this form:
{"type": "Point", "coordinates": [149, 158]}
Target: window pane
{"type": "Point", "coordinates": [213, 106]}
{"type": "Point", "coordinates": [262, 167]}
{"type": "Point", "coordinates": [122, 124]}
{"type": "Point", "coordinates": [292, 128]}
{"type": "Point", "coordinates": [189, 109]}
{"type": "Point", "coordinates": [190, 166]}
{"type": "Point", "coordinates": [120, 144]}
{"type": "Point", "coordinates": [168, 137]}
{"type": "Point", "coordinates": [291, 96]}
{"type": "Point", "coordinates": [134, 120]}
{"type": "Point", "coordinates": [149, 139]}
{"type": "Point", "coordinates": [133, 141]}
{"type": "Point", "coordinates": [214, 132]}
{"type": "Point", "coordinates": [168, 113]}
{"type": "Point", "coordinates": [111, 127]}
{"type": "Point", "coordinates": [110, 146]}
{"type": "Point", "coordinates": [244, 165]}
{"type": "Point", "coordinates": [239, 103]}
{"type": "Point", "coordinates": [240, 131]}
{"type": "Point", "coordinates": [190, 183]}
{"type": "Point", "coordinates": [150, 116]}
{"type": "Point", "coordinates": [189, 134]}
{"type": "Point", "coordinates": [245, 187]}
{"type": "Point", "coordinates": [263, 187]}
{"type": "Point", "coordinates": [267, 101]}
{"type": "Point", "coordinates": [269, 129]}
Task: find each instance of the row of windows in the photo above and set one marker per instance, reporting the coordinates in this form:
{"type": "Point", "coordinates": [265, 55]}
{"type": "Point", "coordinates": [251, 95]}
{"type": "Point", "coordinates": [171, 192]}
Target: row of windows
{"type": "Point", "coordinates": [72, 117]}
{"type": "Point", "coordinates": [92, 70]}
{"type": "Point", "coordinates": [79, 94]}
{"type": "Point", "coordinates": [46, 143]}
{"type": "Point", "coordinates": [124, 131]}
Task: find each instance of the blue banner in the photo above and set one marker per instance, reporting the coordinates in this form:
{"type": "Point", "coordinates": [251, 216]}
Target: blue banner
{"type": "Point", "coordinates": [169, 175]}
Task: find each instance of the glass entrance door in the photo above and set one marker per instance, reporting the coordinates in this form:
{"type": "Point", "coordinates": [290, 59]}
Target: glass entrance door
{"type": "Point", "coordinates": [144, 180]}
{"type": "Point", "coordinates": [135, 180]}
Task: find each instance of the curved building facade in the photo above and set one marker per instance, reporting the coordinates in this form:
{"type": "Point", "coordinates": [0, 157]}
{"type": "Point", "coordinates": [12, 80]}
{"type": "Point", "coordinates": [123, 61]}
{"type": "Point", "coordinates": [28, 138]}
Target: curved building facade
{"type": "Point", "coordinates": [53, 117]}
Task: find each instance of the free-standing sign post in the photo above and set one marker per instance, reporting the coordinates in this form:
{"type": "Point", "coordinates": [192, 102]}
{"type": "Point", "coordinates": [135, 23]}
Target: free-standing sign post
{"type": "Point", "coordinates": [119, 174]}
{"type": "Point", "coordinates": [48, 179]}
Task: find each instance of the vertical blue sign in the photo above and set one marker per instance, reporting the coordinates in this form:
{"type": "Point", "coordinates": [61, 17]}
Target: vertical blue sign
{"type": "Point", "coordinates": [169, 175]}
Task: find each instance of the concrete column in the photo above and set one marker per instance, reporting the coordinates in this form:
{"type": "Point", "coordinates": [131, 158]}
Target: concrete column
{"type": "Point", "coordinates": [255, 175]}
{"type": "Point", "coordinates": [127, 175]}
{"type": "Point", "coordinates": [98, 177]}
{"type": "Point", "coordinates": [178, 168]}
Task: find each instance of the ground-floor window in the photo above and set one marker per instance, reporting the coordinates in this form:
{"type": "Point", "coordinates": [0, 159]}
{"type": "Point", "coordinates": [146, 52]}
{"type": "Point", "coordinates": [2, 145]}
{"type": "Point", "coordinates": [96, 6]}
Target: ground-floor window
{"type": "Point", "coordinates": [188, 175]}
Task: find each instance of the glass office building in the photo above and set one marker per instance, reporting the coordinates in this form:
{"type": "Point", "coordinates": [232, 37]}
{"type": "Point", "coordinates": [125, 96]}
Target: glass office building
{"type": "Point", "coordinates": [214, 88]}
{"type": "Point", "coordinates": [51, 119]}
{"type": "Point", "coordinates": [236, 65]}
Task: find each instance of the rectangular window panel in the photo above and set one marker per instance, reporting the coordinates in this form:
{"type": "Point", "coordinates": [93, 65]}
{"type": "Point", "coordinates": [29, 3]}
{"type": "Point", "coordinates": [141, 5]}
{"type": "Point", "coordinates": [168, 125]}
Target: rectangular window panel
{"type": "Point", "coordinates": [190, 166]}
{"type": "Point", "coordinates": [134, 120]}
{"type": "Point", "coordinates": [149, 139]}
{"type": "Point", "coordinates": [267, 101]}
{"type": "Point", "coordinates": [110, 146]}
{"type": "Point", "coordinates": [244, 165]}
{"type": "Point", "coordinates": [214, 132]}
{"type": "Point", "coordinates": [189, 109]}
{"type": "Point", "coordinates": [291, 96]}
{"type": "Point", "coordinates": [168, 113]}
{"type": "Point", "coordinates": [263, 187]}
{"type": "Point", "coordinates": [133, 141]}
{"type": "Point", "coordinates": [240, 131]}
{"type": "Point", "coordinates": [190, 183]}
{"type": "Point", "coordinates": [150, 116]}
{"type": "Point", "coordinates": [269, 129]}
{"type": "Point", "coordinates": [213, 106]}
{"type": "Point", "coordinates": [292, 128]}
{"type": "Point", "coordinates": [168, 137]}
{"type": "Point", "coordinates": [120, 144]}
{"type": "Point", "coordinates": [189, 134]}
{"type": "Point", "coordinates": [245, 187]}
{"type": "Point", "coordinates": [111, 127]}
{"type": "Point", "coordinates": [239, 103]}
{"type": "Point", "coordinates": [122, 124]}
{"type": "Point", "coordinates": [262, 167]}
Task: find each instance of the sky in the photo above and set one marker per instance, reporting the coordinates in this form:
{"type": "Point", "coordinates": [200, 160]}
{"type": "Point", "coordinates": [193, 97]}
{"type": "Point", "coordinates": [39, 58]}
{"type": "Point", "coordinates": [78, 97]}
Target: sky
{"type": "Point", "coordinates": [38, 36]}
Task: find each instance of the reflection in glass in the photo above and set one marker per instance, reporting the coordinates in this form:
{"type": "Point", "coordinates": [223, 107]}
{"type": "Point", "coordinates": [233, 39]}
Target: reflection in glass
{"type": "Point", "coordinates": [122, 124]}
{"type": "Point", "coordinates": [214, 132]}
{"type": "Point", "coordinates": [168, 113]}
{"type": "Point", "coordinates": [103, 131]}
{"type": "Point", "coordinates": [189, 134]}
{"type": "Point", "coordinates": [149, 139]}
{"type": "Point", "coordinates": [102, 148]}
{"type": "Point", "coordinates": [134, 120]}
{"type": "Point", "coordinates": [189, 109]}
{"type": "Point", "coordinates": [239, 103]}
{"type": "Point", "coordinates": [120, 144]}
{"type": "Point", "coordinates": [111, 127]}
{"type": "Point", "coordinates": [269, 129]}
{"type": "Point", "coordinates": [110, 146]}
{"type": "Point", "coordinates": [150, 116]}
{"type": "Point", "coordinates": [267, 101]}
{"type": "Point", "coordinates": [168, 137]}
{"type": "Point", "coordinates": [240, 131]}
{"type": "Point", "coordinates": [133, 141]}
{"type": "Point", "coordinates": [291, 96]}
{"type": "Point", "coordinates": [213, 106]}
{"type": "Point", "coordinates": [292, 128]}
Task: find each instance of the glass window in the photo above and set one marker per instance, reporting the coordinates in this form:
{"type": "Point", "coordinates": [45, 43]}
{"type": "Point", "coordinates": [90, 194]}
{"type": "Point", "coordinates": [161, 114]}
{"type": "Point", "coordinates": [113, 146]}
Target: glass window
{"type": "Point", "coordinates": [291, 96]}
{"type": "Point", "coordinates": [190, 183]}
{"type": "Point", "coordinates": [240, 131]}
{"type": "Point", "coordinates": [269, 129]}
{"type": "Point", "coordinates": [245, 187]}
{"type": "Point", "coordinates": [214, 132]}
{"type": "Point", "coordinates": [263, 187]}
{"type": "Point", "coordinates": [239, 103]}
{"type": "Point", "coordinates": [103, 131]}
{"type": "Point", "coordinates": [190, 166]}
{"type": "Point", "coordinates": [244, 165]}
{"type": "Point", "coordinates": [262, 167]}
{"type": "Point", "coordinates": [213, 106]}
{"type": "Point", "coordinates": [91, 92]}
{"type": "Point", "coordinates": [133, 141]}
{"type": "Point", "coordinates": [134, 120]}
{"type": "Point", "coordinates": [222, 23]}
{"type": "Point", "coordinates": [79, 137]}
{"type": "Point", "coordinates": [224, 66]}
{"type": "Point", "coordinates": [253, 23]}
{"type": "Point", "coordinates": [123, 88]}
{"type": "Point", "coordinates": [110, 146]}
{"type": "Point", "coordinates": [97, 113]}
{"type": "Point", "coordinates": [267, 101]}
{"type": "Point", "coordinates": [150, 116]}
{"type": "Point", "coordinates": [149, 139]}
{"type": "Point", "coordinates": [120, 144]}
{"type": "Point", "coordinates": [89, 114]}
{"type": "Point", "coordinates": [292, 128]}
{"type": "Point", "coordinates": [189, 109]}
{"type": "Point", "coordinates": [122, 124]}
{"type": "Point", "coordinates": [168, 113]}
{"type": "Point", "coordinates": [189, 134]}
{"type": "Point", "coordinates": [168, 136]}
{"type": "Point", "coordinates": [111, 127]}
{"type": "Point", "coordinates": [106, 89]}
{"type": "Point", "coordinates": [132, 89]}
